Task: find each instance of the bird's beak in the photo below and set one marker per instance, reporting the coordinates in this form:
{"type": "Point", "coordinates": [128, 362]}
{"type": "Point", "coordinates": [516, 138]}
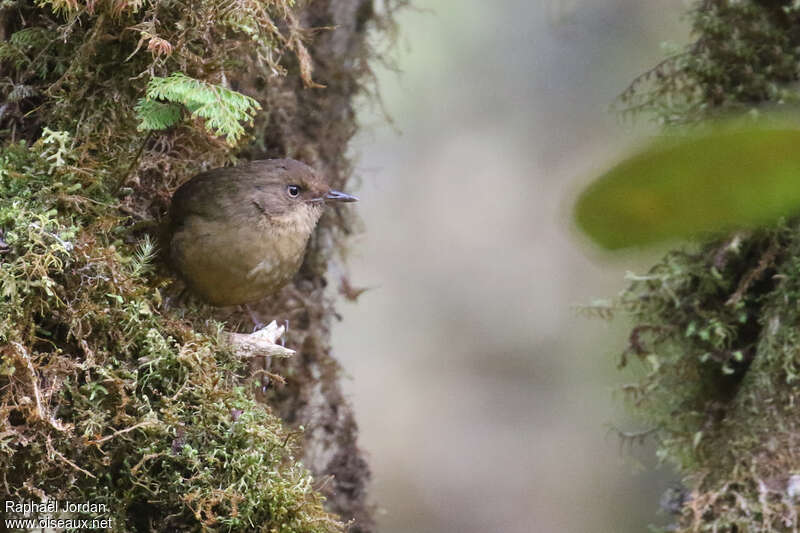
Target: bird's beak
{"type": "Point", "coordinates": [338, 196]}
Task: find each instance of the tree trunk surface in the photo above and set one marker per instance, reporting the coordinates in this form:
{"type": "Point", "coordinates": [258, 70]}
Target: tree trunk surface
{"type": "Point", "coordinates": [108, 395]}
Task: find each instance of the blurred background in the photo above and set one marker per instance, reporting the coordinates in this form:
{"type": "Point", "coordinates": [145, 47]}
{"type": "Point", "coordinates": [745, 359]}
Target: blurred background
{"type": "Point", "coordinates": [484, 399]}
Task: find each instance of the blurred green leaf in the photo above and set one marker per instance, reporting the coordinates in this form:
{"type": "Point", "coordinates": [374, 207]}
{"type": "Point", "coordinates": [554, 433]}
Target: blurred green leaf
{"type": "Point", "coordinates": [680, 188]}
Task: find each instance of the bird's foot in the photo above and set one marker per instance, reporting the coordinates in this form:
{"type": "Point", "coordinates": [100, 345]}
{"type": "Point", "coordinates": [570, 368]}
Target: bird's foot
{"type": "Point", "coordinates": [257, 323]}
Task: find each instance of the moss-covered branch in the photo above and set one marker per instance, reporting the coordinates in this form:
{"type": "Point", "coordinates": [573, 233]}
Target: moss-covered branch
{"type": "Point", "coordinates": [107, 394]}
{"type": "Point", "coordinates": [716, 323]}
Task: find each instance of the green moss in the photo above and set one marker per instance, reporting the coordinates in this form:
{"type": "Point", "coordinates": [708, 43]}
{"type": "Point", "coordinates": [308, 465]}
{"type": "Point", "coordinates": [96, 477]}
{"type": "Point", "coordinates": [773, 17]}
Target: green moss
{"type": "Point", "coordinates": [132, 406]}
{"type": "Point", "coordinates": [716, 324]}
{"type": "Point", "coordinates": [744, 54]}
{"type": "Point", "coordinates": [106, 396]}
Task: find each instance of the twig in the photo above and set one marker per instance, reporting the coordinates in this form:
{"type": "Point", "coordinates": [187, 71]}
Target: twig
{"type": "Point", "coordinates": [766, 261]}
{"type": "Point", "coordinates": [143, 459]}
{"type": "Point", "coordinates": [40, 409]}
{"type": "Point", "coordinates": [121, 432]}
{"type": "Point", "coordinates": [70, 463]}
{"type": "Point", "coordinates": [127, 174]}
{"type": "Point", "coordinates": [259, 344]}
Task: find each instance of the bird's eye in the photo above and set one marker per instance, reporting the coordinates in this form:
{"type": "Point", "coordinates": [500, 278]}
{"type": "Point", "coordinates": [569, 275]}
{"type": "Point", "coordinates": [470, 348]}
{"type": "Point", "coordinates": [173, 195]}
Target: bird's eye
{"type": "Point", "coordinates": [293, 190]}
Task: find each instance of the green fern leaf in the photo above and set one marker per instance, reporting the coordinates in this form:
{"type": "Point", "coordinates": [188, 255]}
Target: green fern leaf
{"type": "Point", "coordinates": [223, 110]}
{"type": "Point", "coordinates": [31, 38]}
{"type": "Point", "coordinates": [154, 115]}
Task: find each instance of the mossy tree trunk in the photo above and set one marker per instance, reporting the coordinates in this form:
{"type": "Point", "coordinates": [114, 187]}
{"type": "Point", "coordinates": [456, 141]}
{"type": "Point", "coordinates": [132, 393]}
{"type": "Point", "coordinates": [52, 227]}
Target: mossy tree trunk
{"type": "Point", "coordinates": [107, 395]}
{"type": "Point", "coordinates": [716, 324]}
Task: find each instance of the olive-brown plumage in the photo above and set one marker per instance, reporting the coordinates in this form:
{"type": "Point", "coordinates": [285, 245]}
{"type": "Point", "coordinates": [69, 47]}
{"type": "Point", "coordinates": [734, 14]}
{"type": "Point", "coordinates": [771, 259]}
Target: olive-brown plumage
{"type": "Point", "coordinates": [238, 234]}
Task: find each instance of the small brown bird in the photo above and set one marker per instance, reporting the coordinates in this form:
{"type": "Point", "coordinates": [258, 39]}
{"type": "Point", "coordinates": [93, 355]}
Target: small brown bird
{"type": "Point", "coordinates": [238, 234]}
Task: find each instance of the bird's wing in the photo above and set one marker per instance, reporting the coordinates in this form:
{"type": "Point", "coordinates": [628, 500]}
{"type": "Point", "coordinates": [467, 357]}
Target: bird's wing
{"type": "Point", "coordinates": [210, 193]}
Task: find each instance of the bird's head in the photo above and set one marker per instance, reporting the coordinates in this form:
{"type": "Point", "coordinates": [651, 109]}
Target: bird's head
{"type": "Point", "coordinates": [286, 185]}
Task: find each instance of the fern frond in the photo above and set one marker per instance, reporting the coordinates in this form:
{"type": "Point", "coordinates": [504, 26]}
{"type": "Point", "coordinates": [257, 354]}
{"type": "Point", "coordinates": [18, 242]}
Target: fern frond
{"type": "Point", "coordinates": [33, 37]}
{"type": "Point", "coordinates": [222, 109]}
{"type": "Point", "coordinates": [20, 92]}
{"type": "Point", "coordinates": [143, 256]}
{"type": "Point", "coordinates": [13, 55]}
{"type": "Point", "coordinates": [154, 115]}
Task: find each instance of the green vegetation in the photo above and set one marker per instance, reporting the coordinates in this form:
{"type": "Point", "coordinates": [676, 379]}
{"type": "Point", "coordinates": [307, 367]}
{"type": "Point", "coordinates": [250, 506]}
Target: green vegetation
{"type": "Point", "coordinates": [744, 54]}
{"type": "Point", "coordinates": [695, 185]}
{"type": "Point", "coordinates": [222, 109]}
{"type": "Point", "coordinates": [108, 396]}
{"type": "Point", "coordinates": [715, 324]}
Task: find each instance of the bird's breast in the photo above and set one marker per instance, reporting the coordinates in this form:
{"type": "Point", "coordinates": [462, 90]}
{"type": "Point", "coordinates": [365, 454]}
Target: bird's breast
{"type": "Point", "coordinates": [278, 254]}
{"type": "Point", "coordinates": [236, 261]}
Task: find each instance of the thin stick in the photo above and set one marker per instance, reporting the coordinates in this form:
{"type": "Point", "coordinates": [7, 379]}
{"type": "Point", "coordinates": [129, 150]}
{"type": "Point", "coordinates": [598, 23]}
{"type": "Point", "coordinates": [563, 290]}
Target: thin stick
{"type": "Point", "coordinates": [70, 463]}
{"type": "Point", "coordinates": [121, 432]}
{"type": "Point", "coordinates": [127, 174]}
